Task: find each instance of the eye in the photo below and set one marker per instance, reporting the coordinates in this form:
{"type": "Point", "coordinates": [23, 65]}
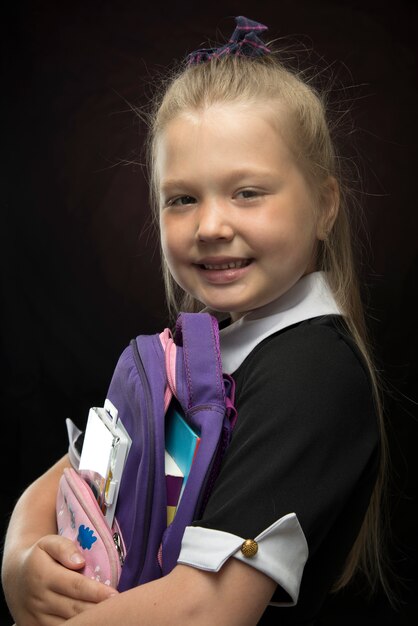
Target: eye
{"type": "Point", "coordinates": [181, 201]}
{"type": "Point", "coordinates": [248, 194]}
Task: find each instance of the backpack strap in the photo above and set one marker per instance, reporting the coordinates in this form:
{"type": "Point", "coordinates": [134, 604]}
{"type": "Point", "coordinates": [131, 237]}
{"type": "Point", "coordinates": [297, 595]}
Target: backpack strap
{"type": "Point", "coordinates": [200, 389]}
{"type": "Point", "coordinates": [170, 353]}
{"type": "Point", "coordinates": [199, 371]}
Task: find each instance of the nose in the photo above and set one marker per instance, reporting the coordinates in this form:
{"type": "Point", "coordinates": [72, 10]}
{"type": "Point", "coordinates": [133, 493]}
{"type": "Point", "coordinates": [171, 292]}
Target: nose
{"type": "Point", "coordinates": [214, 222]}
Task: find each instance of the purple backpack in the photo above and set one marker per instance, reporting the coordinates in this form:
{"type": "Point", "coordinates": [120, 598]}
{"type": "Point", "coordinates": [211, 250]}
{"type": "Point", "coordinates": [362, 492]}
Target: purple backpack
{"type": "Point", "coordinates": [153, 368]}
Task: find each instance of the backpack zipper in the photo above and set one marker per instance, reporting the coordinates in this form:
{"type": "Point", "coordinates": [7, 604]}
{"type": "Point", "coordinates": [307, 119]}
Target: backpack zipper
{"type": "Point", "coordinates": [150, 487]}
{"type": "Point", "coordinates": [119, 549]}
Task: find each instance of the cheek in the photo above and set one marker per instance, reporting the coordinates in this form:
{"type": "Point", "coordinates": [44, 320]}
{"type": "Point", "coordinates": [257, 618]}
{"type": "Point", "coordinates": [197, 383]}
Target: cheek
{"type": "Point", "coordinates": [166, 233]}
{"type": "Point", "coordinates": [172, 243]}
{"type": "Point", "coordinates": [286, 242]}
{"type": "Point", "coordinates": [163, 237]}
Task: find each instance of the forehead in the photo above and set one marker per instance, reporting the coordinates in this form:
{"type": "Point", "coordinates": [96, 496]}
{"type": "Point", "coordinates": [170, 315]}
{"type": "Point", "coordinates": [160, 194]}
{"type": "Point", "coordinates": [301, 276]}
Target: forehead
{"type": "Point", "coordinates": [222, 134]}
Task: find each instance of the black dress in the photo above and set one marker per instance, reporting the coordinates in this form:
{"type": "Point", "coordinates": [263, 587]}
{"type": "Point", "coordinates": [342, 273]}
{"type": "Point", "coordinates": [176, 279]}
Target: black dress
{"type": "Point", "coordinates": [306, 442]}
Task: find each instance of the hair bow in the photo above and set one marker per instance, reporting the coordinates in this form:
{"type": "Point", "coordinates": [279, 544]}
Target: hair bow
{"type": "Point", "coordinates": [243, 42]}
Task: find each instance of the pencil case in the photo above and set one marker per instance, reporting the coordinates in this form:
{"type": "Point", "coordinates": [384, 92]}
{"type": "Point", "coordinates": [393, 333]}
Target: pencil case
{"type": "Point", "coordinates": [80, 519]}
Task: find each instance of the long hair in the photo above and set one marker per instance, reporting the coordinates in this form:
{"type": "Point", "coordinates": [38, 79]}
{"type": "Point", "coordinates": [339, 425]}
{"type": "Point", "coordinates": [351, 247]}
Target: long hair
{"type": "Point", "coordinates": [233, 79]}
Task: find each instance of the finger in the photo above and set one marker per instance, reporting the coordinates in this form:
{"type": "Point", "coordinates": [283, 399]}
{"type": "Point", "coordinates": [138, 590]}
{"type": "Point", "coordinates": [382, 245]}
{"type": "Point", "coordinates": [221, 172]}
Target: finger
{"type": "Point", "coordinates": [65, 608]}
{"type": "Point", "coordinates": [88, 590]}
{"type": "Point", "coordinates": [48, 620]}
{"type": "Point", "coordinates": [62, 550]}
{"type": "Point", "coordinates": [40, 620]}
{"type": "Point", "coordinates": [81, 588]}
{"type": "Point", "coordinates": [51, 605]}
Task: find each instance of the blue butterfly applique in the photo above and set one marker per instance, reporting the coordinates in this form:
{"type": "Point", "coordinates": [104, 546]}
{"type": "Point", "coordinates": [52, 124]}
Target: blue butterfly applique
{"type": "Point", "coordinates": [85, 537]}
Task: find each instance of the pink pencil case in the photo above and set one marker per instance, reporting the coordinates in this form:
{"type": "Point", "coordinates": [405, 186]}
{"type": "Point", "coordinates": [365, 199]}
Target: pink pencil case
{"type": "Point", "coordinates": [80, 519]}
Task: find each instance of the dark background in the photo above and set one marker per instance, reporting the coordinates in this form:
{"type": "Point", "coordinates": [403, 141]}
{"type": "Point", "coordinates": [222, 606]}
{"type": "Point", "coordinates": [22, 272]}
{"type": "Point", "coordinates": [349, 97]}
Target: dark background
{"type": "Point", "coordinates": [80, 263]}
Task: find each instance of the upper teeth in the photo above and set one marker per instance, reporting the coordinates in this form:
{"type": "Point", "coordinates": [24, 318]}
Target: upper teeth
{"type": "Point", "coordinates": [226, 266]}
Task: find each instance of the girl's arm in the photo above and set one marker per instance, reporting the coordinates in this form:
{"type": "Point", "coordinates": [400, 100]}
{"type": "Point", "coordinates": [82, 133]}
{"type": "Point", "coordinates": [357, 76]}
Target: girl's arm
{"type": "Point", "coordinates": [235, 596]}
{"type": "Point", "coordinates": [42, 588]}
{"type": "Point", "coordinates": [40, 581]}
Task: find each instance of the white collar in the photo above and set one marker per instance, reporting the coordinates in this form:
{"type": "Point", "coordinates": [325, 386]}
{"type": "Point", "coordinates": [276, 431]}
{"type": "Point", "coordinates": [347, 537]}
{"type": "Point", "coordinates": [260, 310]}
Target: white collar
{"type": "Point", "coordinates": [310, 297]}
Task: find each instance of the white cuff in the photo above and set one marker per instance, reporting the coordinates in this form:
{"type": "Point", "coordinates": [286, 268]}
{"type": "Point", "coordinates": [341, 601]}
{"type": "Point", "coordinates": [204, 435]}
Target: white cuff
{"type": "Point", "coordinates": [282, 552]}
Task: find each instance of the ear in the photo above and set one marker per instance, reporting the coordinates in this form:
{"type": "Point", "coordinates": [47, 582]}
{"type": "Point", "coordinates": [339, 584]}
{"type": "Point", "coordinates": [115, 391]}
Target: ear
{"type": "Point", "coordinates": [328, 211]}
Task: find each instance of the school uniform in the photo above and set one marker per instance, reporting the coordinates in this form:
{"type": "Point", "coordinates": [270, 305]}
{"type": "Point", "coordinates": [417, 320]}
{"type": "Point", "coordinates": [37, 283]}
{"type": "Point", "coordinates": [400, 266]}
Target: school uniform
{"type": "Point", "coordinates": [297, 478]}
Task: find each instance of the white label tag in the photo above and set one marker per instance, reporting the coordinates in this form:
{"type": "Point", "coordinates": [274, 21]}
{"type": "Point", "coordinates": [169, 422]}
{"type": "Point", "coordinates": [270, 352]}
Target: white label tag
{"type": "Point", "coordinates": [97, 446]}
{"type": "Point", "coordinates": [105, 450]}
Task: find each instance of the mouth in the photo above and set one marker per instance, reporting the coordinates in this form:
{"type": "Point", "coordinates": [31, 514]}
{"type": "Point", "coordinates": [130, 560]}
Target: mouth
{"type": "Point", "coordinates": [226, 265]}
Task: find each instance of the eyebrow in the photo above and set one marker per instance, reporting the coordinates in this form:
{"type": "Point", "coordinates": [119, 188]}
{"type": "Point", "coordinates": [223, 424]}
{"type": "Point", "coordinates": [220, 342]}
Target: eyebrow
{"type": "Point", "coordinates": [232, 177]}
{"type": "Point", "coordinates": [173, 182]}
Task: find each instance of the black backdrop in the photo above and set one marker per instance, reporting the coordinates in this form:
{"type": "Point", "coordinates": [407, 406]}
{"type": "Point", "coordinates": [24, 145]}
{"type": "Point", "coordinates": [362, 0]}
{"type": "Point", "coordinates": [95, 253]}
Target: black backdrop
{"type": "Point", "coordinates": [80, 261]}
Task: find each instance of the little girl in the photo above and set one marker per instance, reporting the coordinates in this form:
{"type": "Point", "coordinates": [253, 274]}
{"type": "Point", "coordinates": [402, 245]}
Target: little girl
{"type": "Point", "coordinates": [255, 227]}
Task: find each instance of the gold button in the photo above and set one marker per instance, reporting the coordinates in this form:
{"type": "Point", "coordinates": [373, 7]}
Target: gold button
{"type": "Point", "coordinates": [249, 548]}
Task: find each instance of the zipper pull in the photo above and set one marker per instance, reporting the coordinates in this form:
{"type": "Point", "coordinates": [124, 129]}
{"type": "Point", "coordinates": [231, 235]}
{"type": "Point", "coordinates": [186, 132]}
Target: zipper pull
{"type": "Point", "coordinates": [119, 549]}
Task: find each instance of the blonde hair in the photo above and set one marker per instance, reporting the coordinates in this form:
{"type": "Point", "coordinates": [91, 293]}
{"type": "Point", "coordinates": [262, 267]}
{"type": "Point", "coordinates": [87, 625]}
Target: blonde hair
{"type": "Point", "coordinates": [233, 79]}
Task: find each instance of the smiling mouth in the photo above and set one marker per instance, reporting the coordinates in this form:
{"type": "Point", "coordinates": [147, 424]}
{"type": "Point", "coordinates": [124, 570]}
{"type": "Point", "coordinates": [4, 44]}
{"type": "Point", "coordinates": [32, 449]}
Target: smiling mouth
{"type": "Point", "coordinates": [232, 265]}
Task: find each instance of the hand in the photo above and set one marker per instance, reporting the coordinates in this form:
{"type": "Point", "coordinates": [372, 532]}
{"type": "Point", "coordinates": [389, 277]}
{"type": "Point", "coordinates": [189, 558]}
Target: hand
{"type": "Point", "coordinates": [47, 589]}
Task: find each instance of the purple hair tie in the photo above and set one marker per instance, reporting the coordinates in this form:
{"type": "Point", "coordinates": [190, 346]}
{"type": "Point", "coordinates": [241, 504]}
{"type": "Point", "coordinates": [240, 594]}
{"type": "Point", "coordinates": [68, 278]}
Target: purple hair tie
{"type": "Point", "coordinates": [243, 42]}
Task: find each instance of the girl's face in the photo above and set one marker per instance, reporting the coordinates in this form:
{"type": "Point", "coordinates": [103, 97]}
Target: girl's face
{"type": "Point", "coordinates": [238, 221]}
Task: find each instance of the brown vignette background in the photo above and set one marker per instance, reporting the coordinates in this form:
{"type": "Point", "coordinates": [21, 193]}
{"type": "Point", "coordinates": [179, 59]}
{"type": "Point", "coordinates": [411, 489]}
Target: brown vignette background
{"type": "Point", "coordinates": [80, 262]}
